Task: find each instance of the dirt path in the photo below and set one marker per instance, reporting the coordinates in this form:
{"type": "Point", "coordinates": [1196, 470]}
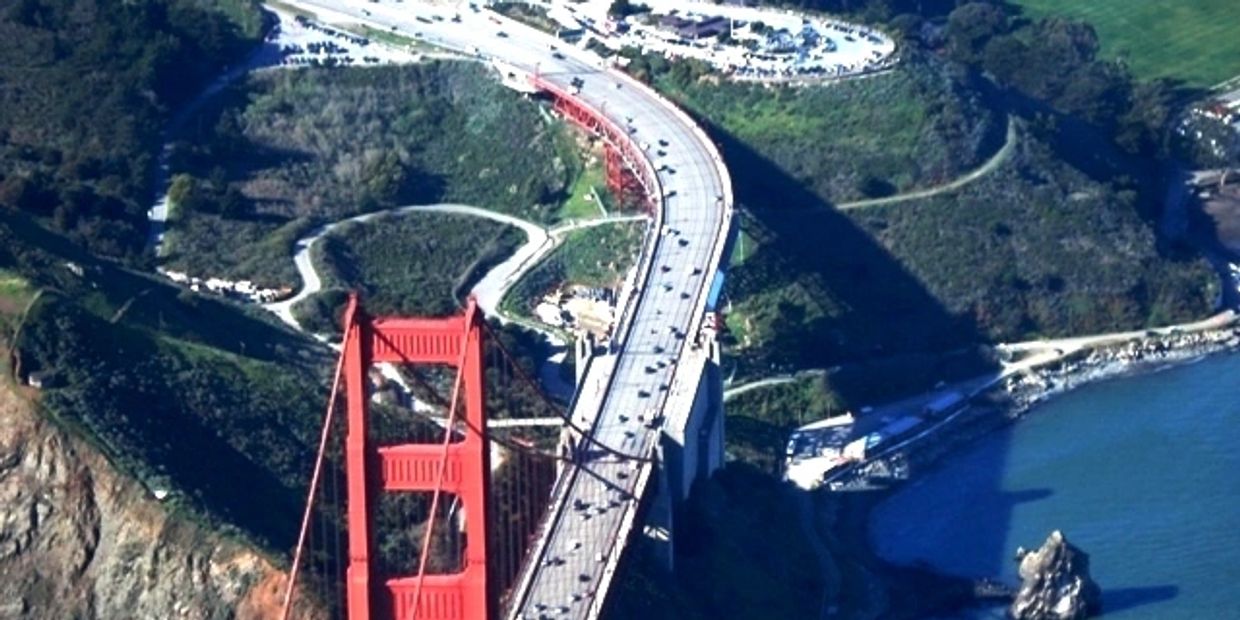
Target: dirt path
{"type": "Point", "coordinates": [999, 157]}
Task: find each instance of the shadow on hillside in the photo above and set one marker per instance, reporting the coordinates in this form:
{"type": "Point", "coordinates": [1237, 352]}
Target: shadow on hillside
{"type": "Point", "coordinates": [845, 298]}
{"type": "Point", "coordinates": [837, 297]}
{"type": "Point", "coordinates": [149, 302]}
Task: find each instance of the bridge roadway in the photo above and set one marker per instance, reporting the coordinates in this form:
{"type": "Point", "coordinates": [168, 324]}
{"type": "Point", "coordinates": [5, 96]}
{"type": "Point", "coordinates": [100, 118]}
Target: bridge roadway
{"type": "Point", "coordinates": [595, 502]}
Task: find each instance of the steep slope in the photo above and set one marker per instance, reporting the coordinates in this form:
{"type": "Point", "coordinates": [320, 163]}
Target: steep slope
{"type": "Point", "coordinates": [80, 540]}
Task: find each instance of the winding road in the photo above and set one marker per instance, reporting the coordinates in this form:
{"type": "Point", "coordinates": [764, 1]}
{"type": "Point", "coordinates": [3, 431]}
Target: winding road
{"type": "Point", "coordinates": [490, 290]}
{"type": "Point", "coordinates": [661, 321]}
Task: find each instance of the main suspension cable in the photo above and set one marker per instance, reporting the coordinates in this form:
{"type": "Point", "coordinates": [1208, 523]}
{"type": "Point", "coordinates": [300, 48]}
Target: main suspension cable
{"type": "Point", "coordinates": [566, 416]}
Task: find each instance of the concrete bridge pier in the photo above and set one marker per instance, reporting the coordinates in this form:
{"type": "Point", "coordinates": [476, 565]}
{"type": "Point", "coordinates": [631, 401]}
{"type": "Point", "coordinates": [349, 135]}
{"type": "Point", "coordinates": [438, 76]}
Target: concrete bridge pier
{"type": "Point", "coordinates": [691, 446]}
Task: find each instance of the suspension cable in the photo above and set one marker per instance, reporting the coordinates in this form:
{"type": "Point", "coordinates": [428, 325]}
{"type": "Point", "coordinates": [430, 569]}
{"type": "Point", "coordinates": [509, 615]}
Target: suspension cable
{"type": "Point", "coordinates": [314, 482]}
{"type": "Point", "coordinates": [566, 416]}
{"type": "Point", "coordinates": [443, 466]}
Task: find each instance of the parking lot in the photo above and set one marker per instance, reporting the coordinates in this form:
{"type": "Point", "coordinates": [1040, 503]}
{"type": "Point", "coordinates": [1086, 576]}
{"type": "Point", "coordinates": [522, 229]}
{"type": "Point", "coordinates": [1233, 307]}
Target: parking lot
{"type": "Point", "coordinates": [746, 43]}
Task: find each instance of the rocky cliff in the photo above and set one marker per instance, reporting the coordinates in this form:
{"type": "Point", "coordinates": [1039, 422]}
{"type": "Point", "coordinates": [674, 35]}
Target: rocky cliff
{"type": "Point", "coordinates": [80, 540]}
{"type": "Point", "coordinates": [1055, 583]}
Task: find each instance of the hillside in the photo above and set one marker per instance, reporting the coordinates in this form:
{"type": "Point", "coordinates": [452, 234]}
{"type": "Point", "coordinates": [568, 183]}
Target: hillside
{"type": "Point", "coordinates": [1034, 249]}
{"type": "Point", "coordinates": [82, 540]}
{"type": "Point", "coordinates": [915, 126]}
{"type": "Point", "coordinates": [162, 380]}
{"type": "Point", "coordinates": [411, 264]}
{"type": "Point", "coordinates": [283, 150]}
{"type": "Point", "coordinates": [86, 87]}
{"type": "Point", "coordinates": [1051, 238]}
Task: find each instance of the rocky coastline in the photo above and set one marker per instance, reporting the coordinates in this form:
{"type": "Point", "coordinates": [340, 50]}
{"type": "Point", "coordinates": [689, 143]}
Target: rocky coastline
{"type": "Point", "coordinates": [1132, 357]}
{"type": "Point", "coordinates": [917, 591]}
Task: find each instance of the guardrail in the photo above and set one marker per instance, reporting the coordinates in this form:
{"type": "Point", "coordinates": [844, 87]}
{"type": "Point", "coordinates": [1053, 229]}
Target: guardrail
{"type": "Point", "coordinates": [655, 190]}
{"type": "Point", "coordinates": [624, 326]}
{"type": "Point", "coordinates": [724, 200]}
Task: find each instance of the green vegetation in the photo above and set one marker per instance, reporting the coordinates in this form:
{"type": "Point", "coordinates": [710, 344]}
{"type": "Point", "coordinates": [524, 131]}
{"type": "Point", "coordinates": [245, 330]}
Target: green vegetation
{"type": "Point", "coordinates": [910, 128]}
{"type": "Point", "coordinates": [325, 144]}
{"type": "Point", "coordinates": [759, 420]}
{"type": "Point", "coordinates": [411, 264]}
{"type": "Point", "coordinates": [163, 381]}
{"type": "Point", "coordinates": [1054, 241]}
{"type": "Point", "coordinates": [1034, 249]}
{"type": "Point", "coordinates": [1053, 63]}
{"type": "Point", "coordinates": [1197, 42]}
{"type": "Point", "coordinates": [88, 85]}
{"type": "Point", "coordinates": [589, 182]}
{"type": "Point", "coordinates": [16, 293]}
{"type": "Point", "coordinates": [528, 14]}
{"type": "Point", "coordinates": [597, 256]}
{"type": "Point", "coordinates": [1056, 254]}
{"type": "Point", "coordinates": [389, 37]}
{"type": "Point", "coordinates": [744, 248]}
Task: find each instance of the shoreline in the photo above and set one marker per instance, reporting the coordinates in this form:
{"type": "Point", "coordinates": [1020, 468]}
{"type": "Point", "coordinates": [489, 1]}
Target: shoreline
{"type": "Point", "coordinates": [897, 591]}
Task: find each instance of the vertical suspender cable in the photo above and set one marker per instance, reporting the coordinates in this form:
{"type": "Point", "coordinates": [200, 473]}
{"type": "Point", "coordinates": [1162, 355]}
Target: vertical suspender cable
{"type": "Point", "coordinates": [443, 465]}
{"type": "Point", "coordinates": [314, 483]}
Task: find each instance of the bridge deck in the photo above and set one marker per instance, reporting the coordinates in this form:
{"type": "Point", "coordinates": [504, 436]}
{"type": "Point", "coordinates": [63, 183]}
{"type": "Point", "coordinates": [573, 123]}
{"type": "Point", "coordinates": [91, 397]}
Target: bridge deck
{"type": "Point", "coordinates": [594, 509]}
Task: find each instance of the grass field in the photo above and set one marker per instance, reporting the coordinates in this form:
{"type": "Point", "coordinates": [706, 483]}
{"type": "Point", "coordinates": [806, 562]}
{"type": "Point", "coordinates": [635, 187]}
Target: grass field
{"type": "Point", "coordinates": [589, 180]}
{"type": "Point", "coordinates": [1197, 41]}
{"type": "Point", "coordinates": [908, 129]}
{"type": "Point", "coordinates": [597, 256]}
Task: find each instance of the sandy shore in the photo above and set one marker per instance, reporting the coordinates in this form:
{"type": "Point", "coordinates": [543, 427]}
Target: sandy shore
{"type": "Point", "coordinates": [869, 587]}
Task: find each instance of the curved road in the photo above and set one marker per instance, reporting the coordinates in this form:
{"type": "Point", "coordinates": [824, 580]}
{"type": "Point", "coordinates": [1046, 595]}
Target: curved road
{"type": "Point", "coordinates": [594, 505]}
{"type": "Point", "coordinates": [490, 290]}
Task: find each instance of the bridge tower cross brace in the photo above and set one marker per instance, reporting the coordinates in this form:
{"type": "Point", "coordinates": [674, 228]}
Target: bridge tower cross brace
{"type": "Point", "coordinates": [453, 341]}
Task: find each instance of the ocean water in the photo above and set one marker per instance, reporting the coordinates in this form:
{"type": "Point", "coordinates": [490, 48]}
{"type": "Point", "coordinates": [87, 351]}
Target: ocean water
{"type": "Point", "coordinates": [1142, 473]}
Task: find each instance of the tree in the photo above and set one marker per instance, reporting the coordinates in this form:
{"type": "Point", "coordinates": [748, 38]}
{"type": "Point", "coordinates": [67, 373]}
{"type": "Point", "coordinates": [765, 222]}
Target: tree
{"type": "Point", "coordinates": [1005, 58]}
{"type": "Point", "coordinates": [970, 27]}
{"type": "Point", "coordinates": [625, 8]}
{"type": "Point", "coordinates": [182, 190]}
{"type": "Point", "coordinates": [874, 187]}
{"type": "Point", "coordinates": [233, 203]}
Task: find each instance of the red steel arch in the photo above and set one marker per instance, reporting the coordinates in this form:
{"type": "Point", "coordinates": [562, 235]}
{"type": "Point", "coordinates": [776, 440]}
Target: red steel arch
{"type": "Point", "coordinates": [455, 341]}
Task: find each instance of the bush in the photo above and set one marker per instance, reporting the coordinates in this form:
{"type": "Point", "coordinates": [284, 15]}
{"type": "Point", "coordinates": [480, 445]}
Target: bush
{"type": "Point", "coordinates": [327, 144]}
{"type": "Point", "coordinates": [421, 264]}
{"type": "Point", "coordinates": [85, 104]}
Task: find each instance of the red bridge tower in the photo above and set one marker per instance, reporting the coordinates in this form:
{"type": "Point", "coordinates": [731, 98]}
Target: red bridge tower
{"type": "Point", "coordinates": [459, 468]}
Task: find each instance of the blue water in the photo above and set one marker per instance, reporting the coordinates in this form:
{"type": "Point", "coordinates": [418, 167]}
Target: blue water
{"type": "Point", "coordinates": [1143, 473]}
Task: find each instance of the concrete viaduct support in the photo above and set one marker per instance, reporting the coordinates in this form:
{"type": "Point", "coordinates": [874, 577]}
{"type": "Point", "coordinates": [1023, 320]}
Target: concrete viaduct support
{"type": "Point", "coordinates": [691, 448]}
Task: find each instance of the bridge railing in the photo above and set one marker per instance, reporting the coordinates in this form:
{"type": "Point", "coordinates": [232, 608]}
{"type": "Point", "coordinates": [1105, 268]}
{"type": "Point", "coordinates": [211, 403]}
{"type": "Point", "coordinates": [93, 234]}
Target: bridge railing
{"type": "Point", "coordinates": [716, 256]}
{"type": "Point", "coordinates": [624, 326]}
{"type": "Point", "coordinates": [655, 190]}
{"type": "Point", "coordinates": [724, 201]}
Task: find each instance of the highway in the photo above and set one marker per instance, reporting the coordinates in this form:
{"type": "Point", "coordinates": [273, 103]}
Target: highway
{"type": "Point", "coordinates": [595, 501]}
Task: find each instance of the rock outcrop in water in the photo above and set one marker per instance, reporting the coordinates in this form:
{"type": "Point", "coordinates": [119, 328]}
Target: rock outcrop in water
{"type": "Point", "coordinates": [1055, 583]}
